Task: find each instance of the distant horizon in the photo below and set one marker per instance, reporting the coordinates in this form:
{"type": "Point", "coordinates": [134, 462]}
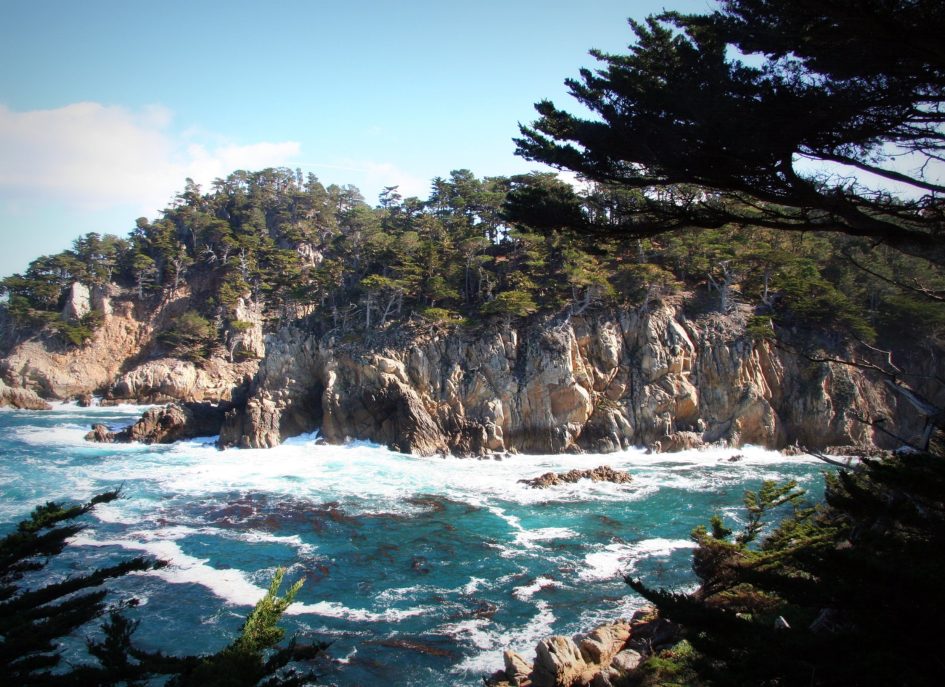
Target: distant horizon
{"type": "Point", "coordinates": [107, 107]}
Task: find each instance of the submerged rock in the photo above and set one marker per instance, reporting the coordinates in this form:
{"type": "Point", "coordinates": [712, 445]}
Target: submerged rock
{"type": "Point", "coordinates": [604, 473]}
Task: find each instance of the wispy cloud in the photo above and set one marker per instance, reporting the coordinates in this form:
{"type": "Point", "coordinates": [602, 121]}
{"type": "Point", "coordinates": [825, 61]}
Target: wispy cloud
{"type": "Point", "coordinates": [92, 156]}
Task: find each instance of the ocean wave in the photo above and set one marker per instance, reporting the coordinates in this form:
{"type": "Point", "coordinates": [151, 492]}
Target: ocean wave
{"type": "Point", "coordinates": [491, 641]}
{"type": "Point", "coordinates": [617, 558]}
{"type": "Point", "coordinates": [527, 591]}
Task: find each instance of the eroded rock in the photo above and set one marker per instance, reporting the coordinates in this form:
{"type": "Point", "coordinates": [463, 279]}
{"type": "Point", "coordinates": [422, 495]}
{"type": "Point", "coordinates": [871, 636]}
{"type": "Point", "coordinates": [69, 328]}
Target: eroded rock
{"type": "Point", "coordinates": [23, 399]}
{"type": "Point", "coordinates": [167, 424]}
{"type": "Point", "coordinates": [558, 663]}
{"type": "Point", "coordinates": [647, 377]}
{"type": "Point", "coordinates": [604, 473]}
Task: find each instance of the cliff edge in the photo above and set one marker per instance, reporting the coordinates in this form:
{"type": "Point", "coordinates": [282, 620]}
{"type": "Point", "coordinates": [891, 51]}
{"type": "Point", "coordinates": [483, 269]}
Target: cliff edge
{"type": "Point", "coordinates": [599, 383]}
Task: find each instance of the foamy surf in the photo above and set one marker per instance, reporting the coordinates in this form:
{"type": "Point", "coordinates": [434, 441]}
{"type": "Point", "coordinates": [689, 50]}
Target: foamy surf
{"type": "Point", "coordinates": [431, 567]}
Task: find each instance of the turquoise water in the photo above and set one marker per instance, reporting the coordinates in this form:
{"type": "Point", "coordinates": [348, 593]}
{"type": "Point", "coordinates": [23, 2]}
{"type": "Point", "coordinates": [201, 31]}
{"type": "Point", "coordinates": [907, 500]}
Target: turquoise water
{"type": "Point", "coordinates": [421, 571]}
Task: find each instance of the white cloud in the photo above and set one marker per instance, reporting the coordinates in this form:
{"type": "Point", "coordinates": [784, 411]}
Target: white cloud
{"type": "Point", "coordinates": [91, 156]}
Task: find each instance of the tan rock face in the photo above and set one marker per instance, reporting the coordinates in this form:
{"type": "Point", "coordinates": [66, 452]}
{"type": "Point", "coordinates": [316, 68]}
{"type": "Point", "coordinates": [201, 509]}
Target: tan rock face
{"type": "Point", "coordinates": [598, 384]}
{"type": "Point", "coordinates": [78, 302]}
{"type": "Point", "coordinates": [117, 359]}
{"type": "Point", "coordinates": [23, 399]}
{"type": "Point", "coordinates": [604, 642]}
{"type": "Point", "coordinates": [558, 663]}
{"type": "Point", "coordinates": [167, 379]}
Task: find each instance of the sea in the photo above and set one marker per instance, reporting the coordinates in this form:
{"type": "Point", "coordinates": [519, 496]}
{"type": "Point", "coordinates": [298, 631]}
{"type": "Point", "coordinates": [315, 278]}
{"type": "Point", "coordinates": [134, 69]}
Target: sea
{"type": "Point", "coordinates": [418, 571]}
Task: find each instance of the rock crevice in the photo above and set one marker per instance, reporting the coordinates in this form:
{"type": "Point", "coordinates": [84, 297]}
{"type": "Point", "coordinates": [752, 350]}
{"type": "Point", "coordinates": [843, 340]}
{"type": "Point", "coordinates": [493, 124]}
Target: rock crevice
{"type": "Point", "coordinates": [602, 383]}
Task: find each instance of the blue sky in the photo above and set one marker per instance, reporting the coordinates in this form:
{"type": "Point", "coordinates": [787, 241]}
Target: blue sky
{"type": "Point", "coordinates": [107, 106]}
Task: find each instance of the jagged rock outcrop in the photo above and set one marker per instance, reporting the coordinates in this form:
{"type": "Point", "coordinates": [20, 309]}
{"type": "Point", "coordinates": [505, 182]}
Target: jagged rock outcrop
{"type": "Point", "coordinates": [23, 399]}
{"type": "Point", "coordinates": [604, 473]}
{"type": "Point", "coordinates": [650, 377]}
{"type": "Point", "coordinates": [606, 657]}
{"type": "Point", "coordinates": [558, 663]}
{"type": "Point", "coordinates": [123, 358]}
{"type": "Point", "coordinates": [167, 424]}
{"type": "Point", "coordinates": [171, 379]}
{"type": "Point", "coordinates": [245, 337]}
{"type": "Point", "coordinates": [78, 303]}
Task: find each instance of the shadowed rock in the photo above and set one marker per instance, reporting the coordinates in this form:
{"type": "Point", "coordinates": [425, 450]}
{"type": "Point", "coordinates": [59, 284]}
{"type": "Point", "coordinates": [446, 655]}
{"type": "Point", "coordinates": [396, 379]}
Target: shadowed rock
{"type": "Point", "coordinates": [167, 424]}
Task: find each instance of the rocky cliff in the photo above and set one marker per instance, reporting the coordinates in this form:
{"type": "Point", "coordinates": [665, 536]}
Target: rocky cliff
{"type": "Point", "coordinates": [124, 360]}
{"type": "Point", "coordinates": [651, 377]}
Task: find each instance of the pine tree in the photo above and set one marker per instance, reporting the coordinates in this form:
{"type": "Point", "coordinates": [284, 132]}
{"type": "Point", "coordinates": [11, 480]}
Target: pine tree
{"type": "Point", "coordinates": [848, 593]}
{"type": "Point", "coordinates": [34, 618]}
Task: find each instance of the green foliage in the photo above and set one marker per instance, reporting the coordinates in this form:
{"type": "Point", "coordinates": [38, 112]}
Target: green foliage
{"type": "Point", "coordinates": [837, 595]}
{"type": "Point", "coordinates": [670, 668]}
{"type": "Point", "coordinates": [78, 333]}
{"type": "Point", "coordinates": [240, 325]}
{"type": "Point", "coordinates": [244, 662]}
{"type": "Point", "coordinates": [682, 108]}
{"type": "Point", "coordinates": [35, 618]}
{"type": "Point", "coordinates": [440, 316]}
{"type": "Point", "coordinates": [190, 336]}
{"type": "Point", "coordinates": [510, 304]}
{"type": "Point", "coordinates": [642, 282]}
{"type": "Point", "coordinates": [760, 327]}
{"type": "Point", "coordinates": [478, 248]}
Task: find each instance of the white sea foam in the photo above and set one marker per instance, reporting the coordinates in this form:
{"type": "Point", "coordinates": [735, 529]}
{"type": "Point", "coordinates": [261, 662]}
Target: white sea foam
{"type": "Point", "coordinates": [617, 558]}
{"type": "Point", "coordinates": [493, 641]}
{"type": "Point", "coordinates": [528, 539]}
{"type": "Point", "coordinates": [474, 585]}
{"type": "Point", "coordinates": [231, 585]}
{"type": "Point", "coordinates": [527, 591]}
{"type": "Point", "coordinates": [130, 409]}
{"type": "Point", "coordinates": [300, 467]}
{"type": "Point", "coordinates": [332, 609]}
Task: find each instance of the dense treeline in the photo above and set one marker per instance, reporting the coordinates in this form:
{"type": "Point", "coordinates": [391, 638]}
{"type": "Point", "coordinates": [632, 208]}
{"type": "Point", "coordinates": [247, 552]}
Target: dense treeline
{"type": "Point", "coordinates": [474, 250]}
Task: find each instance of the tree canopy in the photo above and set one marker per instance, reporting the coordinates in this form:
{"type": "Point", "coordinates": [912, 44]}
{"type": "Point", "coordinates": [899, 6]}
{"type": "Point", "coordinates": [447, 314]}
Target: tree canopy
{"type": "Point", "coordinates": [803, 115]}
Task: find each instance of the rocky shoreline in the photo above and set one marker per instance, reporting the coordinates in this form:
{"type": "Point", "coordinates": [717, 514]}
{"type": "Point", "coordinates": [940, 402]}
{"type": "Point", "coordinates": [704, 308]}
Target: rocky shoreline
{"type": "Point", "coordinates": [653, 376]}
{"type": "Point", "coordinates": [21, 399]}
{"type": "Point", "coordinates": [608, 656]}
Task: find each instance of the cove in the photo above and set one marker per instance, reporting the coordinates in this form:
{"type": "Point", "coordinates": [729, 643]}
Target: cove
{"type": "Point", "coordinates": [421, 571]}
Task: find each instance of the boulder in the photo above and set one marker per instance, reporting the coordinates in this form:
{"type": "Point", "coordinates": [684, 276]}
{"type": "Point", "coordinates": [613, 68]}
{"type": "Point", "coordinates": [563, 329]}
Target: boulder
{"type": "Point", "coordinates": [604, 642]}
{"type": "Point", "coordinates": [604, 473]}
{"type": "Point", "coordinates": [558, 663]}
{"type": "Point", "coordinates": [167, 424]}
{"type": "Point", "coordinates": [100, 434]}
{"type": "Point", "coordinates": [654, 634]}
{"type": "Point", "coordinates": [626, 661]}
{"type": "Point", "coordinates": [23, 399]}
{"type": "Point", "coordinates": [78, 302]}
{"type": "Point", "coordinates": [517, 669]}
